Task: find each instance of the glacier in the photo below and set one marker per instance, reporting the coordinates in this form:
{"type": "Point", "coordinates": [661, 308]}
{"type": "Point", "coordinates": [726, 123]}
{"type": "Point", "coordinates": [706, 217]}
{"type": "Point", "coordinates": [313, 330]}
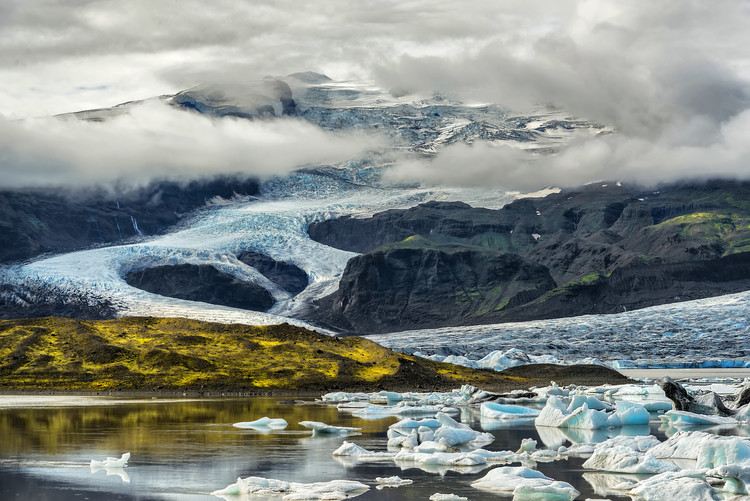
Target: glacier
{"type": "Point", "coordinates": [702, 333]}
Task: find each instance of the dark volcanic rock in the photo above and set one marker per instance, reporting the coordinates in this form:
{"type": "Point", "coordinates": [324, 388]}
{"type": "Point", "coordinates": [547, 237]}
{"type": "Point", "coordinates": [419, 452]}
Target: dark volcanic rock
{"type": "Point", "coordinates": [405, 288]}
{"type": "Point", "coordinates": [201, 283]}
{"type": "Point", "coordinates": [34, 222]}
{"type": "Point", "coordinates": [286, 275]}
{"type": "Point", "coordinates": [608, 248]}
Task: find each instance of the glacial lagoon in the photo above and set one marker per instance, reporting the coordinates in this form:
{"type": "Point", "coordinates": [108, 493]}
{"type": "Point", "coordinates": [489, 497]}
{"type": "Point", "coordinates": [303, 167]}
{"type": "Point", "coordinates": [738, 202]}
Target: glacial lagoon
{"type": "Point", "coordinates": [186, 448]}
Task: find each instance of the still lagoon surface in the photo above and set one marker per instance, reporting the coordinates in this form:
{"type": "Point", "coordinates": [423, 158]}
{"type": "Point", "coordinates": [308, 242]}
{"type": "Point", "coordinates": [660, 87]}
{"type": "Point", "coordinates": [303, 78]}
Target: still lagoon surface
{"type": "Point", "coordinates": [185, 449]}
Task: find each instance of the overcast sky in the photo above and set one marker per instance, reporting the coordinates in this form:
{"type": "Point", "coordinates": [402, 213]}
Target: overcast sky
{"type": "Point", "coordinates": [672, 77]}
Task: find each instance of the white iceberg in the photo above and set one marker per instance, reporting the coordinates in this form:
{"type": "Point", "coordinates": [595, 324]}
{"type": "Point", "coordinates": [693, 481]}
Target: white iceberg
{"type": "Point", "coordinates": [409, 423]}
{"type": "Point", "coordinates": [557, 415]}
{"type": "Point", "coordinates": [447, 497]}
{"type": "Point", "coordinates": [360, 453]}
{"type": "Point", "coordinates": [493, 410]}
{"type": "Point", "coordinates": [112, 462]}
{"type": "Point", "coordinates": [441, 458]}
{"type": "Point", "coordinates": [319, 428]}
{"type": "Point", "coordinates": [342, 396]}
{"type": "Point", "coordinates": [686, 485]}
{"type": "Point", "coordinates": [709, 451]}
{"type": "Point", "coordinates": [263, 423]}
{"type": "Point", "coordinates": [394, 481]}
{"type": "Point", "coordinates": [626, 455]}
{"type": "Point", "coordinates": [683, 419]}
{"type": "Point", "coordinates": [528, 483]}
{"type": "Point", "coordinates": [335, 489]}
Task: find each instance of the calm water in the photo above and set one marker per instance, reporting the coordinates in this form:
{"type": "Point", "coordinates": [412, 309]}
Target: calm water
{"type": "Point", "coordinates": [186, 449]}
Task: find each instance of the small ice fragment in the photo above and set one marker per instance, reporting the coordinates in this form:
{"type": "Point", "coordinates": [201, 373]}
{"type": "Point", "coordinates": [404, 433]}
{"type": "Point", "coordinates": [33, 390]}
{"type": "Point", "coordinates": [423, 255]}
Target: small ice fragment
{"type": "Point", "coordinates": [447, 497]}
{"type": "Point", "coordinates": [264, 422]}
{"type": "Point", "coordinates": [335, 489]}
{"type": "Point", "coordinates": [493, 410]}
{"type": "Point", "coordinates": [111, 462]}
{"type": "Point", "coordinates": [322, 428]}
{"type": "Point", "coordinates": [354, 450]}
{"type": "Point", "coordinates": [394, 481]}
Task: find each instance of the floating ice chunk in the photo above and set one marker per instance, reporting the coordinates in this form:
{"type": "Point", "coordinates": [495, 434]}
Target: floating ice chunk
{"type": "Point", "coordinates": [323, 429]}
{"type": "Point", "coordinates": [684, 484]}
{"type": "Point", "coordinates": [395, 481]}
{"type": "Point", "coordinates": [527, 445]}
{"type": "Point", "coordinates": [378, 411]}
{"type": "Point", "coordinates": [555, 414]}
{"type": "Point", "coordinates": [680, 419]}
{"type": "Point", "coordinates": [447, 497]}
{"type": "Point", "coordinates": [631, 413]}
{"type": "Point", "coordinates": [590, 401]}
{"type": "Point", "coordinates": [112, 462]}
{"type": "Point", "coordinates": [264, 422]}
{"type": "Point", "coordinates": [408, 423]}
{"type": "Point", "coordinates": [493, 410]}
{"type": "Point", "coordinates": [556, 491]}
{"type": "Point", "coordinates": [612, 457]}
{"type": "Point", "coordinates": [458, 436]}
{"type": "Point", "coordinates": [389, 397]}
{"type": "Point", "coordinates": [342, 396]}
{"type": "Point", "coordinates": [441, 458]}
{"type": "Point", "coordinates": [506, 479]}
{"type": "Point", "coordinates": [709, 451]}
{"type": "Point", "coordinates": [335, 489]}
{"type": "Point", "coordinates": [354, 450]}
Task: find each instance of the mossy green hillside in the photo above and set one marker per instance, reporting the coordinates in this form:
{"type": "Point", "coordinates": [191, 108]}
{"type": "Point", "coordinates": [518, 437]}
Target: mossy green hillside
{"type": "Point", "coordinates": [144, 353]}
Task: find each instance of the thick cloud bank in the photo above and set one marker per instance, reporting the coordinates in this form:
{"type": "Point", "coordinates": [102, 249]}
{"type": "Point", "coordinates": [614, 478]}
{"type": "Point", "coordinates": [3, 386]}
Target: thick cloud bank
{"type": "Point", "coordinates": [155, 140]}
{"type": "Point", "coordinates": [671, 78]}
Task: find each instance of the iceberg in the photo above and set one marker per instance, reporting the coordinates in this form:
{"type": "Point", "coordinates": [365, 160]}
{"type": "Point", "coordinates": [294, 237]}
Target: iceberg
{"type": "Point", "coordinates": [626, 455]}
{"type": "Point", "coordinates": [447, 497]}
{"type": "Point", "coordinates": [319, 428]}
{"type": "Point", "coordinates": [112, 462]}
{"type": "Point", "coordinates": [557, 415]}
{"type": "Point", "coordinates": [415, 423]}
{"type": "Point", "coordinates": [441, 458]}
{"type": "Point", "coordinates": [263, 423]}
{"type": "Point", "coordinates": [360, 453]}
{"type": "Point", "coordinates": [683, 419]}
{"type": "Point", "coordinates": [528, 483]}
{"type": "Point", "coordinates": [335, 489]}
{"type": "Point", "coordinates": [709, 451]}
{"type": "Point", "coordinates": [684, 484]}
{"type": "Point", "coordinates": [394, 481]}
{"type": "Point", "coordinates": [492, 410]}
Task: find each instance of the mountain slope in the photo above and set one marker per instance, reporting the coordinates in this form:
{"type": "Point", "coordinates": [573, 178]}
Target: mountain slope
{"type": "Point", "coordinates": [607, 249]}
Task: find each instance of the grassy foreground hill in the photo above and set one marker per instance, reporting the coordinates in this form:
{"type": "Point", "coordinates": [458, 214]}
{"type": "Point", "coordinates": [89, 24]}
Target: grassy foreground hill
{"type": "Point", "coordinates": [163, 354]}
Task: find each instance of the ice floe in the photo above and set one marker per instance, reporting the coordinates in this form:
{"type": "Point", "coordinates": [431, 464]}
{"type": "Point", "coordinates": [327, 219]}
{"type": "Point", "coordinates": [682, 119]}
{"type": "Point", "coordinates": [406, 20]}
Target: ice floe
{"type": "Point", "coordinates": [319, 428]}
{"type": "Point", "coordinates": [493, 410]}
{"type": "Point", "coordinates": [528, 483]}
{"type": "Point", "coordinates": [112, 462]}
{"type": "Point", "coordinates": [259, 486]}
{"type": "Point", "coordinates": [263, 424]}
{"type": "Point", "coordinates": [447, 497]}
{"type": "Point", "coordinates": [683, 419]}
{"type": "Point", "coordinates": [683, 484]}
{"type": "Point", "coordinates": [628, 455]}
{"type": "Point", "coordinates": [394, 481]}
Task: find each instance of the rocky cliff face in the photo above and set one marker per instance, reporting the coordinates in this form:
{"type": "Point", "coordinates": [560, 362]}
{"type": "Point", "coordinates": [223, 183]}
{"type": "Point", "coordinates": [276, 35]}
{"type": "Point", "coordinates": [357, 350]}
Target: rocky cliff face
{"type": "Point", "coordinates": [34, 222]}
{"type": "Point", "coordinates": [201, 283]}
{"type": "Point", "coordinates": [412, 287]}
{"type": "Point", "coordinates": [601, 249]}
{"type": "Point", "coordinates": [286, 275]}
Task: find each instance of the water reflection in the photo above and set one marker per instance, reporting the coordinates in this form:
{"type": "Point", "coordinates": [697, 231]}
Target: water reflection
{"type": "Point", "coordinates": [187, 449]}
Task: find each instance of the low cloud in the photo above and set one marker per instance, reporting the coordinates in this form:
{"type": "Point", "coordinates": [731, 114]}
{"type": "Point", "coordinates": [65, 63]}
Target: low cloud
{"type": "Point", "coordinates": [156, 140]}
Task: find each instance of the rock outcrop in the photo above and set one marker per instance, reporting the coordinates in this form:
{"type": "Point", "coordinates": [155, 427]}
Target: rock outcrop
{"type": "Point", "coordinates": [201, 283]}
{"type": "Point", "coordinates": [286, 275]}
{"type": "Point", "coordinates": [38, 221]}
